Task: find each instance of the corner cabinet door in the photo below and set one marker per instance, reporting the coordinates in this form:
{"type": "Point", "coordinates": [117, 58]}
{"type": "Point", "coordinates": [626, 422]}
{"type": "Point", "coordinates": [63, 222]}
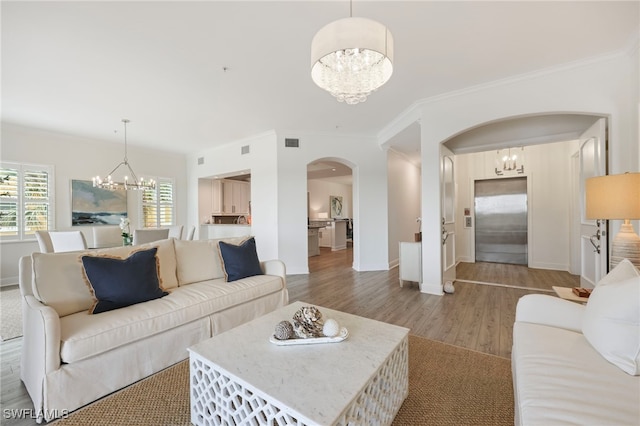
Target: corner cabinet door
{"type": "Point", "coordinates": [227, 197]}
{"type": "Point", "coordinates": [241, 197]}
{"type": "Point", "coordinates": [216, 196]}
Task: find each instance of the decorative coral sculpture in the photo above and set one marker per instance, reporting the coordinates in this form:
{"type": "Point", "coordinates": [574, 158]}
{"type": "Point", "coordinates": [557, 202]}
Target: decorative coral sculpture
{"type": "Point", "coordinates": [307, 322]}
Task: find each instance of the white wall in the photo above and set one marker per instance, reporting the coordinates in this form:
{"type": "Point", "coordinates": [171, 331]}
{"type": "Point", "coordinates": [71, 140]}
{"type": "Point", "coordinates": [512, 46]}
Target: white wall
{"type": "Point", "coordinates": [320, 192]}
{"type": "Point", "coordinates": [279, 192]}
{"type": "Point", "coordinates": [547, 169]}
{"type": "Point", "coordinates": [404, 202]}
{"type": "Point", "coordinates": [74, 157]}
{"type": "Point", "coordinates": [261, 162]}
{"type": "Point", "coordinates": [368, 163]}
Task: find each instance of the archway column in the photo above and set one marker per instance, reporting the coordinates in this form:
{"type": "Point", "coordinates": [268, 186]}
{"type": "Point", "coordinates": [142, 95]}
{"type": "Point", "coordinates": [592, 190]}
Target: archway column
{"type": "Point", "coordinates": [431, 215]}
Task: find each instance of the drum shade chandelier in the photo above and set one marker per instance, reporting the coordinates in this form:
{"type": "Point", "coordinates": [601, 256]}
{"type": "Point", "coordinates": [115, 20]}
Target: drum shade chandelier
{"type": "Point", "coordinates": [352, 57]}
{"type": "Point", "coordinates": [131, 181]}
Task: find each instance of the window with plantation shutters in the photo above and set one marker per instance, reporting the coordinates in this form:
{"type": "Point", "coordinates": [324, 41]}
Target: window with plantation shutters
{"type": "Point", "coordinates": [158, 205]}
{"type": "Point", "coordinates": [26, 195]}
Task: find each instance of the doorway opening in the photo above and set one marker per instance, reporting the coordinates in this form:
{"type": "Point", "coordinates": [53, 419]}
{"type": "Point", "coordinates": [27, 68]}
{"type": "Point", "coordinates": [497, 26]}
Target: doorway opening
{"type": "Point", "coordinates": [501, 233]}
{"type": "Point", "coordinates": [330, 215]}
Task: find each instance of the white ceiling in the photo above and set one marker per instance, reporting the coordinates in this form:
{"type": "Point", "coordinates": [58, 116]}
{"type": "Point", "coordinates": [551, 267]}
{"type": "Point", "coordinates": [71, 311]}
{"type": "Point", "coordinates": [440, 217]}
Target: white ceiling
{"type": "Point", "coordinates": [192, 75]}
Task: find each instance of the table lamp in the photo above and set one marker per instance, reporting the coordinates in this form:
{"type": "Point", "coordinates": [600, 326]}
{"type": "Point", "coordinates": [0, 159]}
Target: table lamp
{"type": "Point", "coordinates": [617, 197]}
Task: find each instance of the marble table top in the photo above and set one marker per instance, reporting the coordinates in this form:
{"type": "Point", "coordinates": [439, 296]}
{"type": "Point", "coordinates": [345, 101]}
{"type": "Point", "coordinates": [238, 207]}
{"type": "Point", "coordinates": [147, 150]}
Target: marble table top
{"type": "Point", "coordinates": [317, 381]}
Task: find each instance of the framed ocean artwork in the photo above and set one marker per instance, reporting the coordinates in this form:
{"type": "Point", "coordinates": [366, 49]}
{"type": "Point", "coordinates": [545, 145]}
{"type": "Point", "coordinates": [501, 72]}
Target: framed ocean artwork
{"type": "Point", "coordinates": [96, 206]}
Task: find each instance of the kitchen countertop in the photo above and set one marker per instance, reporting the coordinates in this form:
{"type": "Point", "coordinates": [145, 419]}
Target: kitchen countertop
{"type": "Point", "coordinates": [226, 224]}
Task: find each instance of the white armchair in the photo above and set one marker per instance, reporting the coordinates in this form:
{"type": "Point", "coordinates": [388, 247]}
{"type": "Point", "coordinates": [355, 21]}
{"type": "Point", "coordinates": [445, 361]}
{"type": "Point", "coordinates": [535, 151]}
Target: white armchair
{"type": "Point", "coordinates": [176, 232]}
{"type": "Point", "coordinates": [44, 241]}
{"type": "Point", "coordinates": [142, 236]}
{"type": "Point", "coordinates": [60, 241]}
{"type": "Point", "coordinates": [107, 236]}
{"type": "Point", "coordinates": [188, 235]}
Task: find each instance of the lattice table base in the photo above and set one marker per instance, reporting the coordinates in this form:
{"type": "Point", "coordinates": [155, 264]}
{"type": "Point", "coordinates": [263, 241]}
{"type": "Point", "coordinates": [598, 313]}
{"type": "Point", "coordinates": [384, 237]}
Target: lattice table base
{"type": "Point", "coordinates": [219, 399]}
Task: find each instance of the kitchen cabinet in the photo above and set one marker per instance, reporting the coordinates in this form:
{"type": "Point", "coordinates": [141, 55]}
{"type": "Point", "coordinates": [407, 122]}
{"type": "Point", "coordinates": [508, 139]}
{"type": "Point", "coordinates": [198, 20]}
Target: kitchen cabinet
{"type": "Point", "coordinates": [324, 235]}
{"type": "Point", "coordinates": [410, 262]}
{"type": "Point", "coordinates": [212, 232]}
{"type": "Point", "coordinates": [236, 197]}
{"type": "Point", "coordinates": [313, 246]}
{"type": "Point", "coordinates": [216, 196]}
{"type": "Point", "coordinates": [339, 235]}
{"type": "Point", "coordinates": [332, 233]}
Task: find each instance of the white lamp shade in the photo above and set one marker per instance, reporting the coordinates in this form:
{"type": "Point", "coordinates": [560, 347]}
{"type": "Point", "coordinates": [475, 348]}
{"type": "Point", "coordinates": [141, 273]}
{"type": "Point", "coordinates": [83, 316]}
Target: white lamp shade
{"type": "Point", "coordinates": [613, 197]}
{"type": "Point", "coordinates": [346, 74]}
{"type": "Point", "coordinates": [351, 33]}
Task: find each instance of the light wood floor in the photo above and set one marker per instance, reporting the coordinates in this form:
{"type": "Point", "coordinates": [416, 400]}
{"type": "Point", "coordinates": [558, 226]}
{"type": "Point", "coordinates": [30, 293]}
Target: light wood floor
{"type": "Point", "coordinates": [478, 316]}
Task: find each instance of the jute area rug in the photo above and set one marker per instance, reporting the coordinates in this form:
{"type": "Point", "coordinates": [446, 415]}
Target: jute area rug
{"type": "Point", "coordinates": [447, 386]}
{"type": "Point", "coordinates": [10, 314]}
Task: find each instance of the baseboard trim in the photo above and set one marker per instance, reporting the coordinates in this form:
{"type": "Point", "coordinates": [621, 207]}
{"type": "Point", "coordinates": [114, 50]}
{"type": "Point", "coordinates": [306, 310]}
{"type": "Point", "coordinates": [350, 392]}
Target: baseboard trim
{"type": "Point", "coordinates": [8, 281]}
{"type": "Point", "coordinates": [505, 285]}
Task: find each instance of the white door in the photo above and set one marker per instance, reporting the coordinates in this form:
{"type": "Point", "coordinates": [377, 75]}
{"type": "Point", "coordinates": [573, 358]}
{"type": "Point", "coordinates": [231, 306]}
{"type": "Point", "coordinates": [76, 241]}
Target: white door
{"type": "Point", "coordinates": [447, 208]}
{"type": "Point", "coordinates": [593, 234]}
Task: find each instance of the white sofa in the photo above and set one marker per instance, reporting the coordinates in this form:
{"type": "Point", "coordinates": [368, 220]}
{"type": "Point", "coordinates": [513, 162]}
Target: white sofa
{"type": "Point", "coordinates": [71, 358]}
{"type": "Point", "coordinates": [577, 364]}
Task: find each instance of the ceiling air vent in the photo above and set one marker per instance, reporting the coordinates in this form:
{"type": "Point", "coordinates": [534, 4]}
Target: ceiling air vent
{"type": "Point", "coordinates": [244, 150]}
{"type": "Point", "coordinates": [292, 143]}
{"type": "Point", "coordinates": [200, 161]}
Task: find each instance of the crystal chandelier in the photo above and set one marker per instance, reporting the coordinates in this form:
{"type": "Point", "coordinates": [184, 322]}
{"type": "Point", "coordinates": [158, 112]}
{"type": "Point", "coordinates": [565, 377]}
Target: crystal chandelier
{"type": "Point", "coordinates": [127, 184]}
{"type": "Point", "coordinates": [352, 57]}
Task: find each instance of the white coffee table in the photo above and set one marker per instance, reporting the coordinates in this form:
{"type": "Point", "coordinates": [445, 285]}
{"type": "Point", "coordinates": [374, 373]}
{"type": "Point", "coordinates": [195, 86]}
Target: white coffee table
{"type": "Point", "coordinates": [239, 377]}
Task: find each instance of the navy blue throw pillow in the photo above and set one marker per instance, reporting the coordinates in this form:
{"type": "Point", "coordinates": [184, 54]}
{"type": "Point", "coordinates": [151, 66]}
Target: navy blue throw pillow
{"type": "Point", "coordinates": [118, 283]}
{"type": "Point", "coordinates": [240, 261]}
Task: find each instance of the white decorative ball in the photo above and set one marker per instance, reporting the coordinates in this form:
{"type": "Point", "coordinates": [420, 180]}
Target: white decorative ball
{"type": "Point", "coordinates": [449, 288]}
{"type": "Point", "coordinates": [331, 328]}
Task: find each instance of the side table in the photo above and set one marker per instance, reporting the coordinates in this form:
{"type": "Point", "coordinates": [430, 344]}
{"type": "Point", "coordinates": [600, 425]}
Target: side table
{"type": "Point", "coordinates": [568, 294]}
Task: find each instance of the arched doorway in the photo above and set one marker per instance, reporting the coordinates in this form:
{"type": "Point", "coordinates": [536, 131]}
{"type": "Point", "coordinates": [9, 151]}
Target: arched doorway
{"type": "Point", "coordinates": [547, 145]}
{"type": "Point", "coordinates": [330, 208]}
{"type": "Point", "coordinates": [532, 130]}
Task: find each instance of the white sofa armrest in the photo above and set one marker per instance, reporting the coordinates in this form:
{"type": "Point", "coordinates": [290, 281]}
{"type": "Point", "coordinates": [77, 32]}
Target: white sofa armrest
{"type": "Point", "coordinates": [40, 352]}
{"type": "Point", "coordinates": [550, 310]}
{"type": "Point", "coordinates": [274, 267]}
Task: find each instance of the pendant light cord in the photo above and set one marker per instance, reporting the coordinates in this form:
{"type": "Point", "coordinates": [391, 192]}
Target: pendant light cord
{"type": "Point", "coordinates": [125, 121]}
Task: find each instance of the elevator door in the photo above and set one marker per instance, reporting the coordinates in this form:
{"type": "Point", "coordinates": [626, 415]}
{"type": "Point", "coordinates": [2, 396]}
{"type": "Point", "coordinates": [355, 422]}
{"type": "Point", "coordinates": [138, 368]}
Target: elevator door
{"type": "Point", "coordinates": [501, 220]}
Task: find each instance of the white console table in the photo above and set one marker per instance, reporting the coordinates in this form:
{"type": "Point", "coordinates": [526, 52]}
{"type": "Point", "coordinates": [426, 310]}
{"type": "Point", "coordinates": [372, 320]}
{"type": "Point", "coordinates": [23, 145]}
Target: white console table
{"type": "Point", "coordinates": [410, 262]}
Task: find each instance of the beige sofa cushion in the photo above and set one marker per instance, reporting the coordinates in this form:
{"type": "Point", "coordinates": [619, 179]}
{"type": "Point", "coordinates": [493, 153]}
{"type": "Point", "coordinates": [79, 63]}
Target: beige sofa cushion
{"type": "Point", "coordinates": [200, 260]}
{"type": "Point", "coordinates": [84, 335]}
{"type": "Point", "coordinates": [623, 270]}
{"type": "Point", "coordinates": [59, 281]}
{"type": "Point", "coordinates": [611, 321]}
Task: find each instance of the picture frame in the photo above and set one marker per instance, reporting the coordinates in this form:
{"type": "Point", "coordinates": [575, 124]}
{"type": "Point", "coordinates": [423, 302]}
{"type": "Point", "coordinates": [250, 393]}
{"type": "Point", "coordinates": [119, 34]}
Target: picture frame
{"type": "Point", "coordinates": [335, 203]}
{"type": "Point", "coordinates": [91, 206]}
